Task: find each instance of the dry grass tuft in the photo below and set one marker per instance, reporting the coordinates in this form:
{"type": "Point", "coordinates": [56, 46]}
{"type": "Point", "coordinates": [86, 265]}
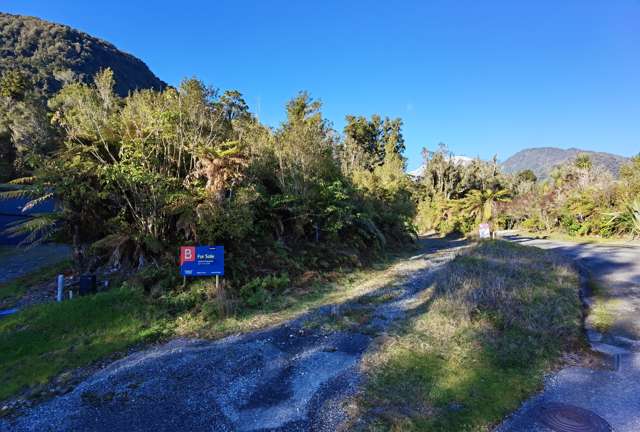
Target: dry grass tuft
{"type": "Point", "coordinates": [523, 287]}
{"type": "Point", "coordinates": [495, 320]}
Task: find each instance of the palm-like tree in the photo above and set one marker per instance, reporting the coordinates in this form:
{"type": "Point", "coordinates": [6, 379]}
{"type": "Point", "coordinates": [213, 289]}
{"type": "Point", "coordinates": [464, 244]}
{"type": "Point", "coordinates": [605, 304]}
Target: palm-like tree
{"type": "Point", "coordinates": [480, 203]}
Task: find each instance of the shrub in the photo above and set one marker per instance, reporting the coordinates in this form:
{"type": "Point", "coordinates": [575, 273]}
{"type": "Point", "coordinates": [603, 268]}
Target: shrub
{"type": "Point", "coordinates": [183, 300]}
{"type": "Point", "coordinates": [258, 291]}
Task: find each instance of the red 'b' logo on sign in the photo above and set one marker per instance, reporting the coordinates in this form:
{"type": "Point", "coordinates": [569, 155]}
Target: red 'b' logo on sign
{"type": "Point", "coordinates": [187, 254]}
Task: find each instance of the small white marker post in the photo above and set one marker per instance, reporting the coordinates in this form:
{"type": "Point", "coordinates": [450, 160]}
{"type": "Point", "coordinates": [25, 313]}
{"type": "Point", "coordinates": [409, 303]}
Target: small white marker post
{"type": "Point", "coordinates": [60, 292]}
{"type": "Point", "coordinates": [217, 279]}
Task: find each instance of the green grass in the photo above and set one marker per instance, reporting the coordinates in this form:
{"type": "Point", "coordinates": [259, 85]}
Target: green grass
{"type": "Point", "coordinates": [602, 314]}
{"type": "Point", "coordinates": [11, 291]}
{"type": "Point", "coordinates": [46, 340]}
{"type": "Point", "coordinates": [345, 285]}
{"type": "Point", "coordinates": [493, 322]}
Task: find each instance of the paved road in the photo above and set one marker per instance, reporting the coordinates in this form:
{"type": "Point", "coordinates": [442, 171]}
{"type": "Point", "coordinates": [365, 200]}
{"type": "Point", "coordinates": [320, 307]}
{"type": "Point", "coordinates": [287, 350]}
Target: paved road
{"type": "Point", "coordinates": [613, 395]}
{"type": "Point", "coordinates": [16, 262]}
{"type": "Point", "coordinates": [294, 377]}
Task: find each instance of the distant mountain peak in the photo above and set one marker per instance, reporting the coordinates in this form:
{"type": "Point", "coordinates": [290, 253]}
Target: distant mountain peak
{"type": "Point", "coordinates": [51, 54]}
{"type": "Point", "coordinates": [458, 160]}
{"type": "Point", "coordinates": [542, 160]}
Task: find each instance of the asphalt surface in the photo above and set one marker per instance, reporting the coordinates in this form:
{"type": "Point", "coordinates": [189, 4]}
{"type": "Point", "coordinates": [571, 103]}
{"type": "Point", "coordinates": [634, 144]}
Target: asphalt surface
{"type": "Point", "coordinates": [613, 395]}
{"type": "Point", "coordinates": [294, 377]}
{"type": "Point", "coordinates": [16, 262]}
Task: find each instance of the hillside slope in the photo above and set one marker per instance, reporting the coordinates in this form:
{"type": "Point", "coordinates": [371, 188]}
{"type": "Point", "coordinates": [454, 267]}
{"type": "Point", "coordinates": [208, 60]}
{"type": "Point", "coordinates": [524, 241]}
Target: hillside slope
{"type": "Point", "coordinates": [52, 54]}
{"type": "Point", "coordinates": [542, 160]}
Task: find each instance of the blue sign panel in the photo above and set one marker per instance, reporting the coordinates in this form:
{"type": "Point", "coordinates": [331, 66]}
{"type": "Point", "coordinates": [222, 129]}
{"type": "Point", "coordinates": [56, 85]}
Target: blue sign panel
{"type": "Point", "coordinates": [202, 260]}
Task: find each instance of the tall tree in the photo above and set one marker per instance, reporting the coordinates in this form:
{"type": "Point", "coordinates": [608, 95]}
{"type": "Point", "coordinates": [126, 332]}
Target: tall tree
{"type": "Point", "coordinates": [366, 141]}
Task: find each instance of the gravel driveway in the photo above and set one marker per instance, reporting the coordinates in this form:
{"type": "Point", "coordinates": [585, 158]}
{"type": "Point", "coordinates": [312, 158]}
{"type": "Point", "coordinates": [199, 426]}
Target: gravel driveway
{"type": "Point", "coordinates": [294, 377]}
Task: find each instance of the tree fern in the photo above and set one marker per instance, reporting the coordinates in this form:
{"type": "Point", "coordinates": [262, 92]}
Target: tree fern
{"type": "Point", "coordinates": [38, 229]}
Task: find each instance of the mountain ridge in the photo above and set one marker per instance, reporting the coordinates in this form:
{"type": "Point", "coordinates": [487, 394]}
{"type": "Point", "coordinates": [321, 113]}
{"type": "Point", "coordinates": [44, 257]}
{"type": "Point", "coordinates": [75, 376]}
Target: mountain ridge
{"type": "Point", "coordinates": [542, 160]}
{"type": "Point", "coordinates": [457, 160]}
{"type": "Point", "coordinates": [52, 54]}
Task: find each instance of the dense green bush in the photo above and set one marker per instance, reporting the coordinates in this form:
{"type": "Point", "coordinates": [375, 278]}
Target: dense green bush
{"type": "Point", "coordinates": [579, 199]}
{"type": "Point", "coordinates": [258, 291]}
{"type": "Point", "coordinates": [137, 177]}
{"type": "Point", "coordinates": [456, 197]}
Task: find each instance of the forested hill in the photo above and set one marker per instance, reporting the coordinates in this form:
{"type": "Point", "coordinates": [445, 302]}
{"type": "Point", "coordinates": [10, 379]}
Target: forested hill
{"type": "Point", "coordinates": [542, 160]}
{"type": "Point", "coordinates": [51, 54]}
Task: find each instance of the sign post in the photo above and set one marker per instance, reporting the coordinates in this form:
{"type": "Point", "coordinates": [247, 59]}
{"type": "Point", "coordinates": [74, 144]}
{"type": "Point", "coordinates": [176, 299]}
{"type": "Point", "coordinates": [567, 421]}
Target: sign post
{"type": "Point", "coordinates": [60, 291]}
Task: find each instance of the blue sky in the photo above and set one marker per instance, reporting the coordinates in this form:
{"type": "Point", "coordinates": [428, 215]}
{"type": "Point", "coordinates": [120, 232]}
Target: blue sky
{"type": "Point", "coordinates": [485, 77]}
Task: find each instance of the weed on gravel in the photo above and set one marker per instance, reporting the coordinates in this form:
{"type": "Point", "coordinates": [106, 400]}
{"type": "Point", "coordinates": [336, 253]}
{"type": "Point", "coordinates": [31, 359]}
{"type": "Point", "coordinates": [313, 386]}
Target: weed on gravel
{"type": "Point", "coordinates": [45, 340]}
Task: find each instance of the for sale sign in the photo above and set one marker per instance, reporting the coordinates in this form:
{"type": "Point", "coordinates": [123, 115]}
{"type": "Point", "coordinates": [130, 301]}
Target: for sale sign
{"type": "Point", "coordinates": [202, 260]}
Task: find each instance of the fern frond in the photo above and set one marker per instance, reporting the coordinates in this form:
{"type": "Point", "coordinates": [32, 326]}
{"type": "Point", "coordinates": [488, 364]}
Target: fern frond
{"type": "Point", "coordinates": [37, 201]}
{"type": "Point", "coordinates": [16, 194]}
{"type": "Point", "coordinates": [23, 181]}
{"type": "Point", "coordinates": [111, 241]}
{"type": "Point", "coordinates": [39, 229]}
{"type": "Point", "coordinates": [39, 237]}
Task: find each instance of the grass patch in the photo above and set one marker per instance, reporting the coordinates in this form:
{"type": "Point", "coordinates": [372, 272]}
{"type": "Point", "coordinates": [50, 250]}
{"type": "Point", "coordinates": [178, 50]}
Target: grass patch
{"type": "Point", "coordinates": [45, 340]}
{"type": "Point", "coordinates": [213, 320]}
{"type": "Point", "coordinates": [41, 342]}
{"type": "Point", "coordinates": [495, 319]}
{"type": "Point", "coordinates": [602, 314]}
{"type": "Point", "coordinates": [603, 311]}
{"type": "Point", "coordinates": [11, 291]}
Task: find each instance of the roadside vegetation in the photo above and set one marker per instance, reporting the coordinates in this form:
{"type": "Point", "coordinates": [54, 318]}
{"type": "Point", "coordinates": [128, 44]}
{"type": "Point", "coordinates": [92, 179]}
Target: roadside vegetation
{"type": "Point", "coordinates": [603, 309]}
{"type": "Point", "coordinates": [134, 178]}
{"type": "Point", "coordinates": [494, 321]}
{"type": "Point", "coordinates": [303, 212]}
{"type": "Point", "coordinates": [47, 341]}
{"type": "Point", "coordinates": [578, 200]}
{"type": "Point", "coordinates": [296, 207]}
